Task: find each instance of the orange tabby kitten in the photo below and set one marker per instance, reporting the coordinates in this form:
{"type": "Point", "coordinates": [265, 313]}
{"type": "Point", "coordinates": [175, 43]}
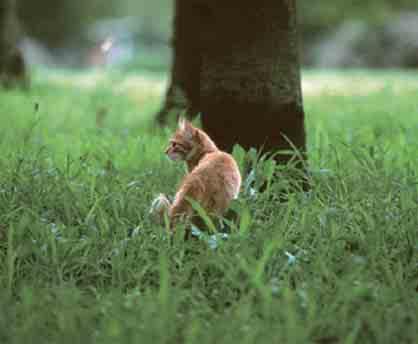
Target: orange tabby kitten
{"type": "Point", "coordinates": [213, 178]}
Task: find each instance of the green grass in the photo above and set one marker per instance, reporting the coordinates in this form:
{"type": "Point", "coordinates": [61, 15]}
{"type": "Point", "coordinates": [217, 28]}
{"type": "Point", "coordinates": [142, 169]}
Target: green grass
{"type": "Point", "coordinates": [81, 262]}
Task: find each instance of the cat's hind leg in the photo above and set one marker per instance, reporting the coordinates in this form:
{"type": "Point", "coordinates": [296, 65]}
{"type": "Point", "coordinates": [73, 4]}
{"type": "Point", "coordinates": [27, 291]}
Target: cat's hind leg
{"type": "Point", "coordinates": [181, 209]}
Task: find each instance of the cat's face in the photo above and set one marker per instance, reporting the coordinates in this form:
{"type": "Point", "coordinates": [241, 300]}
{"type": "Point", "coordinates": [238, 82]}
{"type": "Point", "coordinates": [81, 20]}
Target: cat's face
{"type": "Point", "coordinates": [184, 142]}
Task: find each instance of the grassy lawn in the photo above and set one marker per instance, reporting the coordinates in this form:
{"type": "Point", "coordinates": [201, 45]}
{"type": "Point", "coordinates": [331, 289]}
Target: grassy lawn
{"type": "Point", "coordinates": [81, 262]}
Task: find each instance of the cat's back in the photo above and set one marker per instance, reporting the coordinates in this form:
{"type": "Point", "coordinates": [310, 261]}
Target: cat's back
{"type": "Point", "coordinates": [220, 161]}
{"type": "Point", "coordinates": [219, 173]}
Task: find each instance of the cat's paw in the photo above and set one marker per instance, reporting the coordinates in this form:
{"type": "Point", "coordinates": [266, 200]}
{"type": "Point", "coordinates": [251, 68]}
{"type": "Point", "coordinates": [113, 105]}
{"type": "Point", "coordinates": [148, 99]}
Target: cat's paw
{"type": "Point", "coordinates": [159, 206]}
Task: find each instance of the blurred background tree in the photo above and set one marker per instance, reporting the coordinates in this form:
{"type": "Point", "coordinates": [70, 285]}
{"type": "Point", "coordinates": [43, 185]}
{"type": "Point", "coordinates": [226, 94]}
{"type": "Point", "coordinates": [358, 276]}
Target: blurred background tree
{"type": "Point", "coordinates": [367, 27]}
{"type": "Point", "coordinates": [57, 22]}
{"type": "Point", "coordinates": [12, 64]}
{"type": "Point", "coordinates": [70, 29]}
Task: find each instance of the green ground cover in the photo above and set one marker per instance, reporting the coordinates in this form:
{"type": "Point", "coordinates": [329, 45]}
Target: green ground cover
{"type": "Point", "coordinates": [81, 262]}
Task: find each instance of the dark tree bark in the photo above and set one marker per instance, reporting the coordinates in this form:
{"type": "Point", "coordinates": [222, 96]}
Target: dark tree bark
{"type": "Point", "coordinates": [12, 65]}
{"type": "Point", "coordinates": [183, 92]}
{"type": "Point", "coordinates": [237, 63]}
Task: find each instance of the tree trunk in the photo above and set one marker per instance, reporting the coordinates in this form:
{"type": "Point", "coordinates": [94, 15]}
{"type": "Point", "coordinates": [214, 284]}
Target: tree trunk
{"type": "Point", "coordinates": [237, 62]}
{"type": "Point", "coordinates": [183, 92]}
{"type": "Point", "coordinates": [12, 65]}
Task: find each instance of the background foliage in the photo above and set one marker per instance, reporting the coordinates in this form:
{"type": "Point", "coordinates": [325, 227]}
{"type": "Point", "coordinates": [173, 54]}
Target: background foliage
{"type": "Point", "coordinates": [42, 17]}
{"type": "Point", "coordinates": [328, 14]}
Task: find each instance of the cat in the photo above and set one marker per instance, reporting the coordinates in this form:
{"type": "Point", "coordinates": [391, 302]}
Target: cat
{"type": "Point", "coordinates": [213, 178]}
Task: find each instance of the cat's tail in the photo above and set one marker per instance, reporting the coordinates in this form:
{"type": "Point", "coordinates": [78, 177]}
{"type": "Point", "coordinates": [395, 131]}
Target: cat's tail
{"type": "Point", "coordinates": [160, 207]}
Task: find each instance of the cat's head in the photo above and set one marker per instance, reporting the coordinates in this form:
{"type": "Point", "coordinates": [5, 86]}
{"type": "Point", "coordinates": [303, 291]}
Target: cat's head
{"type": "Point", "coordinates": [187, 142]}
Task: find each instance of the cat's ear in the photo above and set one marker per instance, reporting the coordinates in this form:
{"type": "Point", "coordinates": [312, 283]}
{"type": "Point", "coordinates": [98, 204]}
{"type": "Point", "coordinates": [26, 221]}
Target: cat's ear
{"type": "Point", "coordinates": [182, 123]}
{"type": "Point", "coordinates": [187, 128]}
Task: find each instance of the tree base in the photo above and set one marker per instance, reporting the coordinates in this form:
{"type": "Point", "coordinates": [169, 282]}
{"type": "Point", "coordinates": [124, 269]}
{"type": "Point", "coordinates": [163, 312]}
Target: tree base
{"type": "Point", "coordinates": [13, 72]}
